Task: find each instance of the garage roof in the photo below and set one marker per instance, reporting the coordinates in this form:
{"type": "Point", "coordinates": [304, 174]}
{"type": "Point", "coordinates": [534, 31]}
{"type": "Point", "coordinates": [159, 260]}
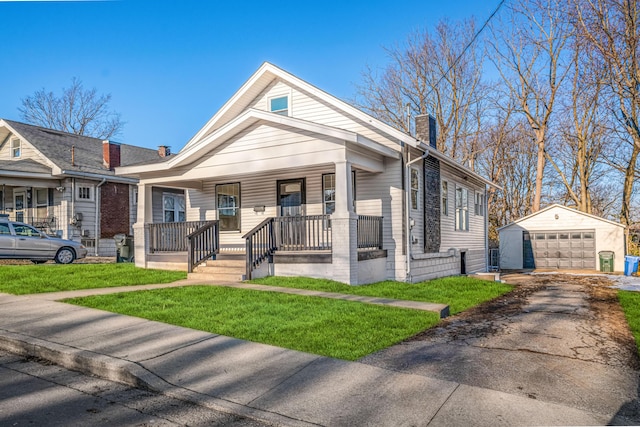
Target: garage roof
{"type": "Point", "coordinates": [555, 205]}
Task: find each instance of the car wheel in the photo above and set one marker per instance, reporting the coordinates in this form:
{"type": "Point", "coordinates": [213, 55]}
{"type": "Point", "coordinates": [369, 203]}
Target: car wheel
{"type": "Point", "coordinates": [65, 256]}
{"type": "Point", "coordinates": [38, 261]}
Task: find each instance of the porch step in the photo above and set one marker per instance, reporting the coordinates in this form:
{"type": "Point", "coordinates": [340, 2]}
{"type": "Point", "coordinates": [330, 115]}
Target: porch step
{"type": "Point", "coordinates": [221, 270]}
{"type": "Point", "coordinates": [217, 277]}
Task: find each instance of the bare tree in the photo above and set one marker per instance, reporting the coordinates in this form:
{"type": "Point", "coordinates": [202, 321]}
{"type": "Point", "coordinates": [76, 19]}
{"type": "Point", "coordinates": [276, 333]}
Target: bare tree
{"type": "Point", "coordinates": [582, 136]}
{"type": "Point", "coordinates": [529, 54]}
{"type": "Point", "coordinates": [77, 110]}
{"type": "Point", "coordinates": [429, 75]}
{"type": "Point", "coordinates": [612, 29]}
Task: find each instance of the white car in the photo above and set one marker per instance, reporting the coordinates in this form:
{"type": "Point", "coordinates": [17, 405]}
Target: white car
{"type": "Point", "coordinates": [22, 241]}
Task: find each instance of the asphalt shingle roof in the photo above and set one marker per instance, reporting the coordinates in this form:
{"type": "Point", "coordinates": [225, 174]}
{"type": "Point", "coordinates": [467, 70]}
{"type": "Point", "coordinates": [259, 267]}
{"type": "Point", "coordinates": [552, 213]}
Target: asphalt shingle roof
{"type": "Point", "coordinates": [56, 146]}
{"type": "Point", "coordinates": [27, 165]}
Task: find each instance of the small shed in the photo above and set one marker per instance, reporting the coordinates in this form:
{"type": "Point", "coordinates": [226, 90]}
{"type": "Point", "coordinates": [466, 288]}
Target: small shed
{"type": "Point", "coordinates": [559, 237]}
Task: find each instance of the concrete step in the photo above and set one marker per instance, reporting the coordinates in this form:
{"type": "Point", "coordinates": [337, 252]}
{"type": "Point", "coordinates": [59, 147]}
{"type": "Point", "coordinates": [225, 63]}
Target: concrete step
{"type": "Point", "coordinates": [221, 277]}
{"type": "Point", "coordinates": [241, 263]}
{"type": "Point", "coordinates": [221, 269]}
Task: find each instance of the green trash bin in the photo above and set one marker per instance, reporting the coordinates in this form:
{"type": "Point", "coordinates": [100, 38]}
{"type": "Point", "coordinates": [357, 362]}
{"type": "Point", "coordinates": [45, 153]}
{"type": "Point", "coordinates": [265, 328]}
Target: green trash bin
{"type": "Point", "coordinates": [606, 261]}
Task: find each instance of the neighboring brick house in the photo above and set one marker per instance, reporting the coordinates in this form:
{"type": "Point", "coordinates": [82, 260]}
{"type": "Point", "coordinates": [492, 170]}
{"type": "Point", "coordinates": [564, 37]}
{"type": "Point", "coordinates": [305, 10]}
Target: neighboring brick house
{"type": "Point", "coordinates": [64, 183]}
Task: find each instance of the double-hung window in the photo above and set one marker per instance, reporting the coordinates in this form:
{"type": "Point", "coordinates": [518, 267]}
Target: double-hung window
{"type": "Point", "coordinates": [415, 188]}
{"type": "Point", "coordinates": [329, 192]}
{"type": "Point", "coordinates": [228, 202]}
{"type": "Point", "coordinates": [445, 198]}
{"type": "Point", "coordinates": [479, 204]}
{"type": "Point", "coordinates": [173, 207]}
{"type": "Point", "coordinates": [462, 209]}
{"type": "Point", "coordinates": [16, 148]}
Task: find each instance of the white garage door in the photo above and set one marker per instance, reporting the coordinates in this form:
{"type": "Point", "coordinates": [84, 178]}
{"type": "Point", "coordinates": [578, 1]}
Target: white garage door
{"type": "Point", "coordinates": [564, 249]}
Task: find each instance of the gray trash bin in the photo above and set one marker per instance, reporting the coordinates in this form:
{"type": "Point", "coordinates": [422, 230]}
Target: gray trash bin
{"type": "Point", "coordinates": [124, 248]}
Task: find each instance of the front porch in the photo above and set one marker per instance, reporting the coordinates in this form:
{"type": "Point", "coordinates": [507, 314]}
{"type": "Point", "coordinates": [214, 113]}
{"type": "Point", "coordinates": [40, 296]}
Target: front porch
{"type": "Point", "coordinates": [302, 245]}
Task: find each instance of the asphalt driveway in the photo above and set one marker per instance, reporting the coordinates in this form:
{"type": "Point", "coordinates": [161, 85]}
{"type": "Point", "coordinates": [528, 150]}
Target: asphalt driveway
{"type": "Point", "coordinates": [558, 339]}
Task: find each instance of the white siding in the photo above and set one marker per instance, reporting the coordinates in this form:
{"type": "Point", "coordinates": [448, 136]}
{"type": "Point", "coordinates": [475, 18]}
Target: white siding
{"type": "Point", "coordinates": [305, 106]}
{"type": "Point", "coordinates": [27, 151]}
{"type": "Point", "coordinates": [474, 239]}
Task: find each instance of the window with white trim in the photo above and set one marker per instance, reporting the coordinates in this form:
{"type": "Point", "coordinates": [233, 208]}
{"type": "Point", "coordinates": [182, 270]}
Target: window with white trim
{"type": "Point", "coordinates": [279, 105]}
{"type": "Point", "coordinates": [445, 198]}
{"type": "Point", "coordinates": [16, 148]}
{"type": "Point", "coordinates": [228, 199]}
{"type": "Point", "coordinates": [42, 202]}
{"type": "Point", "coordinates": [479, 204]}
{"type": "Point", "coordinates": [415, 188]}
{"type": "Point", "coordinates": [84, 192]}
{"type": "Point", "coordinates": [462, 209]}
{"type": "Point", "coordinates": [173, 207]}
{"type": "Point", "coordinates": [329, 192]}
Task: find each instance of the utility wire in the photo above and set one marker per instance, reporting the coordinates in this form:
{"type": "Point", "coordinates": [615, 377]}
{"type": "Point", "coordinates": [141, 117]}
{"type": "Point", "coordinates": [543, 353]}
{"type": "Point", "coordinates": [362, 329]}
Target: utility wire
{"type": "Point", "coordinates": [473, 39]}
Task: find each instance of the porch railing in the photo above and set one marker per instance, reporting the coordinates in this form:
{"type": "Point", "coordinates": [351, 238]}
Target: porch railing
{"type": "Point", "coordinates": [203, 244]}
{"type": "Point", "coordinates": [369, 232]}
{"type": "Point", "coordinates": [172, 236]}
{"type": "Point", "coordinates": [260, 245]}
{"type": "Point", "coordinates": [303, 233]}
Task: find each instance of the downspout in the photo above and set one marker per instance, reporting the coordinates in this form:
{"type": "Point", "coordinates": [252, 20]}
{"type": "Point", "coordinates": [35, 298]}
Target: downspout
{"type": "Point", "coordinates": [407, 207]}
{"type": "Point", "coordinates": [73, 206]}
{"type": "Point", "coordinates": [486, 229]}
{"type": "Point", "coordinates": [98, 212]}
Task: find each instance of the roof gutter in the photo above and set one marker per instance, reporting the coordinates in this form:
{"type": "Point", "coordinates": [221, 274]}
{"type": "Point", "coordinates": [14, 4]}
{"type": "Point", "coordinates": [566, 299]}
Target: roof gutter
{"type": "Point", "coordinates": [453, 163]}
{"type": "Point", "coordinates": [112, 178]}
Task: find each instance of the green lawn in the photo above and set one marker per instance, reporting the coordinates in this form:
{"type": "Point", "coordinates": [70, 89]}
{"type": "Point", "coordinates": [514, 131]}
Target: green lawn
{"type": "Point", "coordinates": [335, 328]}
{"type": "Point", "coordinates": [459, 292]}
{"type": "Point", "coordinates": [33, 279]}
{"type": "Point", "coordinates": [630, 302]}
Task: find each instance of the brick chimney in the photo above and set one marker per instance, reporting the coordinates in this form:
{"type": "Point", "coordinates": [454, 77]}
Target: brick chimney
{"type": "Point", "coordinates": [110, 154]}
{"type": "Point", "coordinates": [164, 150]}
{"type": "Point", "coordinates": [426, 129]}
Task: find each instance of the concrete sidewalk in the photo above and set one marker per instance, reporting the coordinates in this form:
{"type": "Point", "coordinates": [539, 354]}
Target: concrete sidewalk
{"type": "Point", "coordinates": [267, 383]}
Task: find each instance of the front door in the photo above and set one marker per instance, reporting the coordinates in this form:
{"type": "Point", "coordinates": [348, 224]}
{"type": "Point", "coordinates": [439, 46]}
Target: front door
{"type": "Point", "coordinates": [19, 204]}
{"type": "Point", "coordinates": [291, 197]}
{"type": "Point", "coordinates": [291, 200]}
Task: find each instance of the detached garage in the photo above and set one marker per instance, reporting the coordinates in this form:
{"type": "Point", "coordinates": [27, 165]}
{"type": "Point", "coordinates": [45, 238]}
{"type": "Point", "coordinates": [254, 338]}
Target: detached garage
{"type": "Point", "coordinates": [558, 237]}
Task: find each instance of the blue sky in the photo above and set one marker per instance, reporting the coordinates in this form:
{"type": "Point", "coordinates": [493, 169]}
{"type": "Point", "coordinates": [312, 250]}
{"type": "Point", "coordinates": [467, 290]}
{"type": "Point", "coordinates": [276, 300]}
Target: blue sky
{"type": "Point", "coordinates": [169, 65]}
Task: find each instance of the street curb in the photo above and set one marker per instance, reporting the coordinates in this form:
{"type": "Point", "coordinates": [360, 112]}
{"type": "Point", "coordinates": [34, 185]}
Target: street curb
{"type": "Point", "coordinates": [131, 374]}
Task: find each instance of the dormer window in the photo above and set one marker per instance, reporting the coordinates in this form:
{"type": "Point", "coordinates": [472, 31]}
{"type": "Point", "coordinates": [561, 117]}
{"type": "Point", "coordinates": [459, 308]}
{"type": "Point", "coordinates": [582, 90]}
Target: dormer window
{"type": "Point", "coordinates": [279, 105]}
{"type": "Point", "coordinates": [16, 148]}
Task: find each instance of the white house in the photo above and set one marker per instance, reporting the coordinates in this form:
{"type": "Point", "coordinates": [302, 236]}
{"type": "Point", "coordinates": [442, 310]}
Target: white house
{"type": "Point", "coordinates": [286, 179]}
{"type": "Point", "coordinates": [559, 237]}
{"type": "Point", "coordinates": [65, 184]}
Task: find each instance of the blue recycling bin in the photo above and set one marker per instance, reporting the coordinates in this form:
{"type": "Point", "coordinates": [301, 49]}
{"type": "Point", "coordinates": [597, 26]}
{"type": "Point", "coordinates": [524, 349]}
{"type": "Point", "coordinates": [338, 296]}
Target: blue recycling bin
{"type": "Point", "coordinates": [630, 265]}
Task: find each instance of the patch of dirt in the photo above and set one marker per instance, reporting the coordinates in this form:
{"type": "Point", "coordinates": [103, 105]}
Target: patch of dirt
{"type": "Point", "coordinates": [610, 318]}
{"type": "Point", "coordinates": [494, 316]}
{"type": "Point", "coordinates": [484, 319]}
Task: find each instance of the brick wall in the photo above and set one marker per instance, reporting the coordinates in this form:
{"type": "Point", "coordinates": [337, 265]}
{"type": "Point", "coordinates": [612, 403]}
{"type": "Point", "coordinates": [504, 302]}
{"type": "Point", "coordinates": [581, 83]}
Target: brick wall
{"type": "Point", "coordinates": [114, 209]}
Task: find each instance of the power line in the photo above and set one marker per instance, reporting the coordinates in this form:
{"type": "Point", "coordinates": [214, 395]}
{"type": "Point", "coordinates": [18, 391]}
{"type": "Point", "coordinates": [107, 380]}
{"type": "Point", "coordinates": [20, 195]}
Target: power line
{"type": "Point", "coordinates": [473, 39]}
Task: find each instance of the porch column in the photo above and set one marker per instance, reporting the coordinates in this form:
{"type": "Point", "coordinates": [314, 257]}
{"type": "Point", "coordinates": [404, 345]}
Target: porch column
{"type": "Point", "coordinates": [140, 230]}
{"type": "Point", "coordinates": [344, 228]}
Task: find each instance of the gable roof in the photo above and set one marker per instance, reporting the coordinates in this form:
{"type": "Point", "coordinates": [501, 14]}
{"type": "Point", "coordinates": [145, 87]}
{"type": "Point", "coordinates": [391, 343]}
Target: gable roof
{"type": "Point", "coordinates": [261, 79]}
{"type": "Point", "coordinates": [557, 206]}
{"type": "Point", "coordinates": [56, 146]}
